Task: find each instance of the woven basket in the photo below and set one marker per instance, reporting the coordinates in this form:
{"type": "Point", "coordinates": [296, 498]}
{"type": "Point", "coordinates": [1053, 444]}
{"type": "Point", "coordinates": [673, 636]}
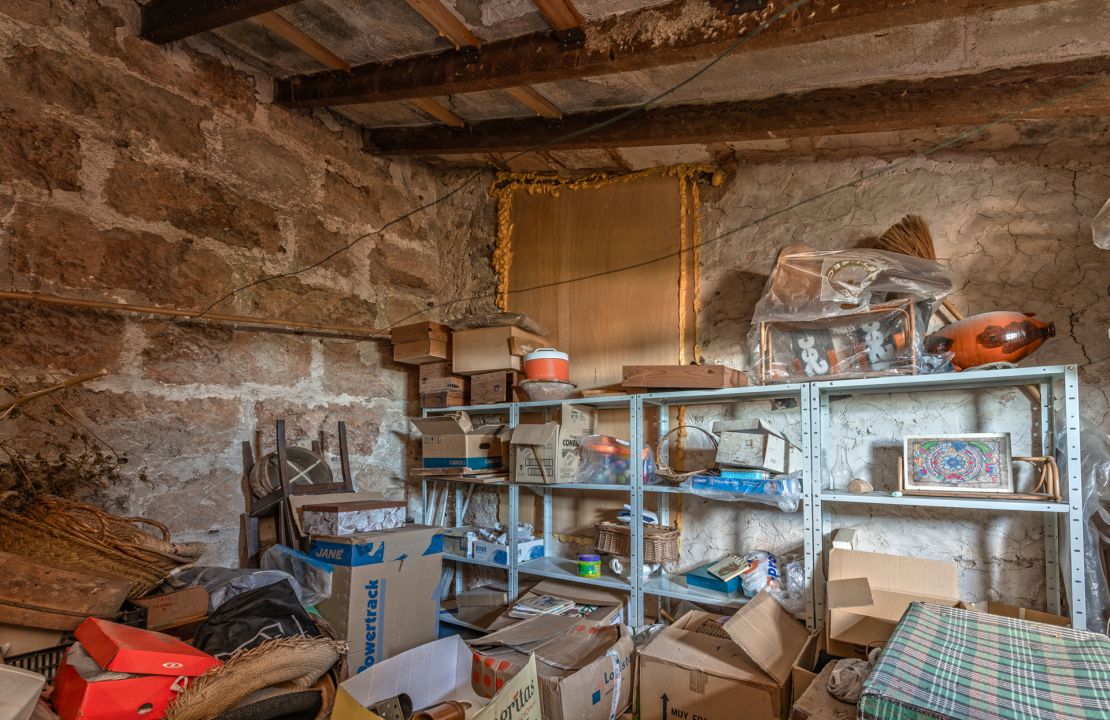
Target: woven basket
{"type": "Point", "coordinates": [675, 477]}
{"type": "Point", "coordinates": [660, 541]}
{"type": "Point", "coordinates": [71, 534]}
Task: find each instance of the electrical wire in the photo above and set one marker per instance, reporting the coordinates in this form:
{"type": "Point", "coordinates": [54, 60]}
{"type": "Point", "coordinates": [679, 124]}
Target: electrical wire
{"type": "Point", "coordinates": [949, 142]}
{"type": "Point", "coordinates": [633, 110]}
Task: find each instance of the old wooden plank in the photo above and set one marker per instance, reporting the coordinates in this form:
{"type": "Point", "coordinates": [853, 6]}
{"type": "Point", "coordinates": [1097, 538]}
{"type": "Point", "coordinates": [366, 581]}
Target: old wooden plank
{"type": "Point", "coordinates": [301, 40]}
{"type": "Point", "coordinates": [637, 40]}
{"type": "Point", "coordinates": [55, 598]}
{"type": "Point", "coordinates": [439, 111]}
{"type": "Point", "coordinates": [682, 376]}
{"type": "Point", "coordinates": [532, 99]}
{"type": "Point", "coordinates": [164, 21]}
{"type": "Point", "coordinates": [445, 22]}
{"type": "Point", "coordinates": [959, 100]}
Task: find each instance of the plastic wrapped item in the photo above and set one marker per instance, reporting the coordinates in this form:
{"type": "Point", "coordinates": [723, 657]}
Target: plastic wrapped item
{"type": "Point", "coordinates": [782, 491]}
{"type": "Point", "coordinates": [313, 576]}
{"type": "Point", "coordinates": [1095, 447]}
{"type": "Point", "coordinates": [843, 313]}
{"type": "Point", "coordinates": [223, 584]}
{"type": "Point", "coordinates": [622, 566]}
{"type": "Point", "coordinates": [607, 460]}
{"type": "Point", "coordinates": [1100, 227]}
{"type": "Point", "coordinates": [762, 572]}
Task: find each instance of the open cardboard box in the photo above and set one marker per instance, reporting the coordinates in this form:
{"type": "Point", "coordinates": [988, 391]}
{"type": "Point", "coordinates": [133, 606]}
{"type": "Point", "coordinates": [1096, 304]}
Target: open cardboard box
{"type": "Point", "coordinates": [585, 668]}
{"type": "Point", "coordinates": [452, 441]}
{"type": "Point", "coordinates": [684, 673]}
{"type": "Point", "coordinates": [609, 604]}
{"type": "Point", "coordinates": [869, 592]}
{"type": "Point", "coordinates": [434, 673]}
{"type": "Point", "coordinates": [548, 453]}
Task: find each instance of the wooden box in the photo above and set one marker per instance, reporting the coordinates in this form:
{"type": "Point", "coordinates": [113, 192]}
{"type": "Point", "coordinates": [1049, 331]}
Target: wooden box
{"type": "Point", "coordinates": [421, 343]}
{"type": "Point", "coordinates": [438, 376]}
{"type": "Point", "coordinates": [485, 350]}
{"type": "Point", "coordinates": [442, 399]}
{"type": "Point", "coordinates": [682, 376]}
{"type": "Point", "coordinates": [494, 387]}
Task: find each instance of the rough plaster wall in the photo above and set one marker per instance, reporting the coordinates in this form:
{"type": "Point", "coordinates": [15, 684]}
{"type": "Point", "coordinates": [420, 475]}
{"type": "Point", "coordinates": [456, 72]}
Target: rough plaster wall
{"type": "Point", "coordinates": [1013, 228]}
{"type": "Point", "coordinates": [155, 175]}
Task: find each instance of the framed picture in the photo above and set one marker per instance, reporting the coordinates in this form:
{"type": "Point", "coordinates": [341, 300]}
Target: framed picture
{"type": "Point", "coordinates": [971, 463]}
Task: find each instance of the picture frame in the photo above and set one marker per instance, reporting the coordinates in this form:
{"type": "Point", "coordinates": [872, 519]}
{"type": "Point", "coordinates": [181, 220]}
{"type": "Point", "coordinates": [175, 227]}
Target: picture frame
{"type": "Point", "coordinates": [971, 463]}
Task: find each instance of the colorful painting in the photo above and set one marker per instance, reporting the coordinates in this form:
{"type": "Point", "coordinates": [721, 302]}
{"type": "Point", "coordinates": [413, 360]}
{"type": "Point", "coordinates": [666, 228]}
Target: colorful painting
{"type": "Point", "coordinates": [959, 463]}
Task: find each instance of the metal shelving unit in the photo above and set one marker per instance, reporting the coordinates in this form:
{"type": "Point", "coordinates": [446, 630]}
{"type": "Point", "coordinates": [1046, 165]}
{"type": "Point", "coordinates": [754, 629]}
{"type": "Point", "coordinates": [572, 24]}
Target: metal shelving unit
{"type": "Point", "coordinates": [1058, 389]}
{"type": "Point", "coordinates": [1063, 520]}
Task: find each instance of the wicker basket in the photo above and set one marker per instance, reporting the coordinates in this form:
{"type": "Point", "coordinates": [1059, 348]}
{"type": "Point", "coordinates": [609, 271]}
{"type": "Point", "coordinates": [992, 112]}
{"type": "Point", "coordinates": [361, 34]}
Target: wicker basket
{"type": "Point", "coordinates": [675, 477]}
{"type": "Point", "coordinates": [660, 541]}
{"type": "Point", "coordinates": [71, 534]}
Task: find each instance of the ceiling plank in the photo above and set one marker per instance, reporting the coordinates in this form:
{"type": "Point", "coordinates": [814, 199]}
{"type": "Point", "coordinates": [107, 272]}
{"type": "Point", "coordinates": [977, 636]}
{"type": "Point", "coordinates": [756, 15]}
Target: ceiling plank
{"type": "Point", "coordinates": [531, 98]}
{"type": "Point", "coordinates": [560, 14]}
{"type": "Point", "coordinates": [439, 111]}
{"type": "Point", "coordinates": [445, 22]}
{"type": "Point", "coordinates": [629, 41]}
{"type": "Point", "coordinates": [960, 100]}
{"type": "Point", "coordinates": [164, 21]}
{"type": "Point", "coordinates": [283, 28]}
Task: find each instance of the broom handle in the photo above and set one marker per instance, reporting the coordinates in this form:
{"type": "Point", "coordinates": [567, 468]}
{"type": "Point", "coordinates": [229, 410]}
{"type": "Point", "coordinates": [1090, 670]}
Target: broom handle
{"type": "Point", "coordinates": [953, 311]}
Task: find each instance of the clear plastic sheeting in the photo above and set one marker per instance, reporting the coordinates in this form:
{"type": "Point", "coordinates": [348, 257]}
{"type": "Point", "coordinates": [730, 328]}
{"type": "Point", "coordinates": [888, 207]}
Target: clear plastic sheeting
{"type": "Point", "coordinates": [607, 460]}
{"type": "Point", "coordinates": [1100, 227]}
{"type": "Point", "coordinates": [223, 583]}
{"type": "Point", "coordinates": [1095, 448]}
{"type": "Point", "coordinates": [843, 313]}
{"type": "Point", "coordinates": [783, 491]}
{"type": "Point", "coordinates": [313, 576]}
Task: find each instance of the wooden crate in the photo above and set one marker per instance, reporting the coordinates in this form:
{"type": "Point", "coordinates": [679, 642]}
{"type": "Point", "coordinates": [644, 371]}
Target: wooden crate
{"type": "Point", "coordinates": [493, 387]}
{"type": "Point", "coordinates": [421, 343]}
{"type": "Point", "coordinates": [682, 376]}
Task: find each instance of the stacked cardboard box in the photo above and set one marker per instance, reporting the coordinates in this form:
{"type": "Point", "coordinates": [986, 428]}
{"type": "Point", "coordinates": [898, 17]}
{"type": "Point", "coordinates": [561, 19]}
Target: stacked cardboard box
{"type": "Point", "coordinates": [420, 343]}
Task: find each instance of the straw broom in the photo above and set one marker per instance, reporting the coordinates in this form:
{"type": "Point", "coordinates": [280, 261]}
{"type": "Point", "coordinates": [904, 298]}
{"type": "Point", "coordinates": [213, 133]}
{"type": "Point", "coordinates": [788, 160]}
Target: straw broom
{"type": "Point", "coordinates": [911, 236]}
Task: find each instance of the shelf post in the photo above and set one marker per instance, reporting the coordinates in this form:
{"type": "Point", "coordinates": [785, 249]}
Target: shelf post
{"type": "Point", "coordinates": [636, 483]}
{"type": "Point", "coordinates": [809, 448]}
{"type": "Point", "coordinates": [1077, 588]}
{"type": "Point", "coordinates": [514, 516]}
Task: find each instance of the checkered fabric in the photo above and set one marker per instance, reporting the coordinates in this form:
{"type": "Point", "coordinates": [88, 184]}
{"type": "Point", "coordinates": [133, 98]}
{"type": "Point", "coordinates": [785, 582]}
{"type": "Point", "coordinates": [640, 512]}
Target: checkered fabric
{"type": "Point", "coordinates": [950, 664]}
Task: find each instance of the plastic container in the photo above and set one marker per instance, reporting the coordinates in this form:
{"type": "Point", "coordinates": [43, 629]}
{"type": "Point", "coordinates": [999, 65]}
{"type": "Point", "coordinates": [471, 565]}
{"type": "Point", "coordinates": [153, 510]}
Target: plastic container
{"type": "Point", "coordinates": [589, 566]}
{"type": "Point", "coordinates": [607, 460]}
{"type": "Point", "coordinates": [547, 364]}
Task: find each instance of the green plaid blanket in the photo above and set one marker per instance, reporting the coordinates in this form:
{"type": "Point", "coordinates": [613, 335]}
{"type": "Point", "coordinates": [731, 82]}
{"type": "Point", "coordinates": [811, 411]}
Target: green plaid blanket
{"type": "Point", "coordinates": [955, 664]}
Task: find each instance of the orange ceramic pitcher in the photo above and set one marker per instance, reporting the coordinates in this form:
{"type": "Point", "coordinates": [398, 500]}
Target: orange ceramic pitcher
{"type": "Point", "coordinates": [991, 337]}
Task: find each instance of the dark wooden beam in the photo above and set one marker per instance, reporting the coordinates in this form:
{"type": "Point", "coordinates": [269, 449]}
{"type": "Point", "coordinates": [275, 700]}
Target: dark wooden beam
{"type": "Point", "coordinates": [630, 41]}
{"type": "Point", "coordinates": [164, 21]}
{"type": "Point", "coordinates": [960, 100]}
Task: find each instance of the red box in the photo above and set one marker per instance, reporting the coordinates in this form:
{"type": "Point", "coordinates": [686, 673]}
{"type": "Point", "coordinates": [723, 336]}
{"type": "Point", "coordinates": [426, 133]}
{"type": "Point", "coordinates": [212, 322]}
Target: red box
{"type": "Point", "coordinates": [160, 667]}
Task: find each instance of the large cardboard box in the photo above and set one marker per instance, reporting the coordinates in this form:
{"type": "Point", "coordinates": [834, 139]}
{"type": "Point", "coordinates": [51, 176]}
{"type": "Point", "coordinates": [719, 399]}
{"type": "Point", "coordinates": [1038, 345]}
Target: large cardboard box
{"type": "Point", "coordinates": [485, 350]}
{"type": "Point", "coordinates": [585, 668]}
{"type": "Point", "coordinates": [452, 441]}
{"type": "Point", "coordinates": [552, 446]}
{"type": "Point", "coordinates": [384, 598]}
{"type": "Point", "coordinates": [869, 592]}
{"type": "Point", "coordinates": [689, 671]}
{"type": "Point", "coordinates": [499, 553]}
{"type": "Point", "coordinates": [432, 674]}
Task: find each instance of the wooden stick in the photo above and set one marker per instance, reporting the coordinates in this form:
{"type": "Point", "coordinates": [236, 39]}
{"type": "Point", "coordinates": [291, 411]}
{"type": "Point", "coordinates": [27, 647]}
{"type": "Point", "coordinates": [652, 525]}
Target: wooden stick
{"type": "Point", "coordinates": [323, 328]}
{"type": "Point", "coordinates": [77, 380]}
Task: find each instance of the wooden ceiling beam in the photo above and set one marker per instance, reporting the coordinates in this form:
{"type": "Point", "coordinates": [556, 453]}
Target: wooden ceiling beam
{"type": "Point", "coordinates": [439, 111]}
{"type": "Point", "coordinates": [531, 98]}
{"type": "Point", "coordinates": [445, 22]}
{"type": "Point", "coordinates": [630, 41]}
{"type": "Point", "coordinates": [559, 14]}
{"type": "Point", "coordinates": [955, 101]}
{"type": "Point", "coordinates": [164, 21]}
{"type": "Point", "coordinates": [295, 36]}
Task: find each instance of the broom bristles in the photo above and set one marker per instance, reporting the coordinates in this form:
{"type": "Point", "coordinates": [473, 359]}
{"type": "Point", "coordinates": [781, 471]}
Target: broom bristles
{"type": "Point", "coordinates": [910, 236]}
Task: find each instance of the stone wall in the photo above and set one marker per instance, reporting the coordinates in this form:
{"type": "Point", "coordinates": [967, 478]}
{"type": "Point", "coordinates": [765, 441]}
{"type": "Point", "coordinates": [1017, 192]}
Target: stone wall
{"type": "Point", "coordinates": [161, 175]}
{"type": "Point", "coordinates": [1012, 226]}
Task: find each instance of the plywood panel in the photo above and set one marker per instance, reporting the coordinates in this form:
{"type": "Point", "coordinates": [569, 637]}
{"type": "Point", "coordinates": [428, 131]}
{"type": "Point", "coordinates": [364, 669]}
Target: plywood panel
{"type": "Point", "coordinates": [612, 318]}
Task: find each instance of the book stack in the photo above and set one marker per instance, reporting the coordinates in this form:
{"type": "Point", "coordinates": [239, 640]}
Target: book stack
{"type": "Point", "coordinates": [541, 605]}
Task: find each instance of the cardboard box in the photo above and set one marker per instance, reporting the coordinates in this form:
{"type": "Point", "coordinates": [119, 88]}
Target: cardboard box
{"type": "Point", "coordinates": [460, 540]}
{"type": "Point", "coordinates": [585, 668]}
{"type": "Point", "coordinates": [485, 350]}
{"type": "Point", "coordinates": [439, 387]}
{"type": "Point", "coordinates": [174, 609]}
{"type": "Point", "coordinates": [452, 441]}
{"type": "Point", "coordinates": [499, 553]}
{"type": "Point", "coordinates": [869, 592]}
{"type": "Point", "coordinates": [155, 665]}
{"type": "Point", "coordinates": [353, 516]}
{"type": "Point", "coordinates": [384, 590]}
{"type": "Point", "coordinates": [816, 703]}
{"type": "Point", "coordinates": [431, 674]}
{"type": "Point", "coordinates": [686, 674]}
{"type": "Point", "coordinates": [420, 343]}
{"type": "Point", "coordinates": [442, 399]}
{"type": "Point", "coordinates": [761, 447]}
{"type": "Point", "coordinates": [552, 446]}
{"type": "Point", "coordinates": [1017, 612]}
{"type": "Point", "coordinates": [494, 387]}
{"type": "Point", "coordinates": [602, 605]}
{"type": "Point", "coordinates": [297, 504]}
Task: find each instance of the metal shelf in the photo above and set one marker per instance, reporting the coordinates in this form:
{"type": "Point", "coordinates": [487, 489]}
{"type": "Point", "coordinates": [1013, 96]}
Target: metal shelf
{"type": "Point", "coordinates": [968, 503]}
{"type": "Point", "coordinates": [723, 395]}
{"type": "Point", "coordinates": [474, 561]}
{"type": "Point", "coordinates": [606, 487]}
{"type": "Point", "coordinates": [969, 380]}
{"type": "Point", "coordinates": [676, 587]}
{"type": "Point", "coordinates": [559, 568]}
